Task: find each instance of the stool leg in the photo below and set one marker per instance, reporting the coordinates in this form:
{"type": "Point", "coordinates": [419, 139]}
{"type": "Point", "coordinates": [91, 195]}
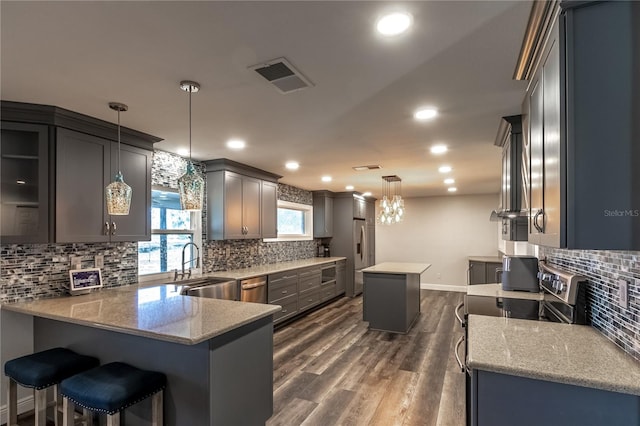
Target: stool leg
{"type": "Point", "coordinates": [56, 406]}
{"type": "Point", "coordinates": [12, 403]}
{"type": "Point", "coordinates": [87, 415]}
{"type": "Point", "coordinates": [113, 419]}
{"type": "Point", "coordinates": [157, 409]}
{"type": "Point", "coordinates": [67, 412]}
{"type": "Point", "coordinates": [40, 397]}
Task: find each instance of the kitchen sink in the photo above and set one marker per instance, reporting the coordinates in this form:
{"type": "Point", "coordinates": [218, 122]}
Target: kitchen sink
{"type": "Point", "coordinates": [212, 288]}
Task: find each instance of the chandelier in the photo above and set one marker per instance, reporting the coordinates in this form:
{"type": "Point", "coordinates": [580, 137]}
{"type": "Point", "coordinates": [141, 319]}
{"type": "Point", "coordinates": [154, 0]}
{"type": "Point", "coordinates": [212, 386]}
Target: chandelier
{"type": "Point", "coordinates": [392, 204]}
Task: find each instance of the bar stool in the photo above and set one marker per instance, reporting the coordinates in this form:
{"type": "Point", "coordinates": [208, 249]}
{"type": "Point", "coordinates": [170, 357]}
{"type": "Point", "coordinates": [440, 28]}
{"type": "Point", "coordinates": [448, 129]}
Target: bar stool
{"type": "Point", "coordinates": [110, 389]}
{"type": "Point", "coordinates": [40, 371]}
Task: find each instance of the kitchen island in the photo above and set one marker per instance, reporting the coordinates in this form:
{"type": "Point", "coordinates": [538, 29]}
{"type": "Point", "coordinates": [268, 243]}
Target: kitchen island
{"type": "Point", "coordinates": [217, 354]}
{"type": "Point", "coordinates": [391, 295]}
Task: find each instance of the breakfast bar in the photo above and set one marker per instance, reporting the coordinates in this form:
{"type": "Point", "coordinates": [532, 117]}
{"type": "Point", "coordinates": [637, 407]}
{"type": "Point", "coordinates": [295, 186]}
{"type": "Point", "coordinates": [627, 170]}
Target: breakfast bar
{"type": "Point", "coordinates": [391, 295]}
{"type": "Point", "coordinates": [216, 354]}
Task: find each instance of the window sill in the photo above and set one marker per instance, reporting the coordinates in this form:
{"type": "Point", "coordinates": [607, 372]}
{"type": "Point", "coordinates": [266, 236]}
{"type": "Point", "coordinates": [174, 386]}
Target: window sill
{"type": "Point", "coordinates": [288, 238]}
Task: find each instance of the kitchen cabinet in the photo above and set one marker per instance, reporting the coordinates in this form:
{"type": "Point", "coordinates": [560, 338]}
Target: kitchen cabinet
{"type": "Point", "coordinates": [235, 201]}
{"type": "Point", "coordinates": [482, 272]}
{"type": "Point", "coordinates": [269, 209]}
{"type": "Point", "coordinates": [359, 207]}
{"type": "Point", "coordinates": [67, 160]}
{"type": "Point", "coordinates": [322, 214]}
{"type": "Point", "coordinates": [85, 165]}
{"type": "Point", "coordinates": [341, 277]}
{"type": "Point", "coordinates": [24, 184]}
{"type": "Point", "coordinates": [584, 186]}
{"type": "Point", "coordinates": [283, 291]}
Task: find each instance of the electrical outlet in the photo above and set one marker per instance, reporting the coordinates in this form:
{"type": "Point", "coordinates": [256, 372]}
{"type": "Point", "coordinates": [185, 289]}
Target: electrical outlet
{"type": "Point", "coordinates": [75, 261]}
{"type": "Point", "coordinates": [228, 252]}
{"type": "Point", "coordinates": [99, 261]}
{"type": "Point", "coordinates": [439, 275]}
{"type": "Point", "coordinates": [623, 293]}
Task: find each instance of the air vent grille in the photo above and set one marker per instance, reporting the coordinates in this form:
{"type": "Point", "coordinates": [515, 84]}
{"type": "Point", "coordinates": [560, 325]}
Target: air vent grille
{"type": "Point", "coordinates": [368, 167]}
{"type": "Point", "coordinates": [282, 75]}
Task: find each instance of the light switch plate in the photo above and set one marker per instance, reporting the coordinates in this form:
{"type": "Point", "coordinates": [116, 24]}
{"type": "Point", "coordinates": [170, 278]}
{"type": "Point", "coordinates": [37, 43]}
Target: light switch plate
{"type": "Point", "coordinates": [623, 293]}
{"type": "Point", "coordinates": [99, 261]}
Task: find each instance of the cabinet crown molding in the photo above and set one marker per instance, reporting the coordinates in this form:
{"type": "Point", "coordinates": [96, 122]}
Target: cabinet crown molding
{"type": "Point", "coordinates": [224, 164]}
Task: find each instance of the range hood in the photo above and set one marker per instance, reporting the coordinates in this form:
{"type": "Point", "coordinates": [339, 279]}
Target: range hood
{"type": "Point", "coordinates": [513, 196]}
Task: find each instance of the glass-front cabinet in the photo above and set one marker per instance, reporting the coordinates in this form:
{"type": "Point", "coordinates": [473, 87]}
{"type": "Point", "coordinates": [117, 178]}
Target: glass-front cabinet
{"type": "Point", "coordinates": [24, 183]}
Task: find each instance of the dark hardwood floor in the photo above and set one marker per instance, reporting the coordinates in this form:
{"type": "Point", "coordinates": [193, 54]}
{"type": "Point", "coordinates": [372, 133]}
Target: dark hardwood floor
{"type": "Point", "coordinates": [329, 369]}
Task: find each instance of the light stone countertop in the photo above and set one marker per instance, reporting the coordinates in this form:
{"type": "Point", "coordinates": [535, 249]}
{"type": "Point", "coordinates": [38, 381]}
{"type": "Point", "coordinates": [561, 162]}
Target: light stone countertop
{"type": "Point", "coordinates": [495, 290]}
{"type": "Point", "coordinates": [245, 273]}
{"type": "Point", "coordinates": [397, 268]}
{"type": "Point", "coordinates": [488, 259]}
{"type": "Point", "coordinates": [158, 312]}
{"type": "Point", "coordinates": [563, 353]}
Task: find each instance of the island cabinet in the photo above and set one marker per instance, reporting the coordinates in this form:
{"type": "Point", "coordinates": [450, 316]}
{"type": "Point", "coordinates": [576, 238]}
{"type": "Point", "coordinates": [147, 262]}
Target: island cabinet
{"type": "Point", "coordinates": [236, 198]}
{"type": "Point", "coordinates": [66, 160]}
{"type": "Point", "coordinates": [24, 184]}
{"type": "Point", "coordinates": [283, 291]}
{"type": "Point", "coordinates": [581, 136]}
{"type": "Point", "coordinates": [322, 214]}
{"type": "Point", "coordinates": [341, 277]}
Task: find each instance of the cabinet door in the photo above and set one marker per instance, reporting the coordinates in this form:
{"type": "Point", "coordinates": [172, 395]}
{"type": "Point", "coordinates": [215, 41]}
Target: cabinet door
{"type": "Point", "coordinates": [233, 226]}
{"type": "Point", "coordinates": [537, 171]}
{"type": "Point", "coordinates": [359, 208]}
{"type": "Point", "coordinates": [341, 276]}
{"type": "Point", "coordinates": [251, 207]}
{"type": "Point", "coordinates": [370, 213]}
{"type": "Point", "coordinates": [477, 272]}
{"type": "Point", "coordinates": [491, 272]}
{"type": "Point", "coordinates": [83, 170]}
{"type": "Point", "coordinates": [269, 210]}
{"type": "Point", "coordinates": [135, 165]}
{"type": "Point", "coordinates": [24, 183]}
{"type": "Point", "coordinates": [371, 244]}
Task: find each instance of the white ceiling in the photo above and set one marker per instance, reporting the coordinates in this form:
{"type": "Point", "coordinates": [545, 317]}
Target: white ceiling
{"type": "Point", "coordinates": [458, 56]}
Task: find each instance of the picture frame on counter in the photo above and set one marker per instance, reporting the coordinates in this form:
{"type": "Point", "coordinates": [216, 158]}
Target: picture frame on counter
{"type": "Point", "coordinates": [83, 280]}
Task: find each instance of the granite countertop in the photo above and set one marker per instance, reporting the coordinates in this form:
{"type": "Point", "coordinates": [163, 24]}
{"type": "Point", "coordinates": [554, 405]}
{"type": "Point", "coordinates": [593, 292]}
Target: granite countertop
{"type": "Point", "coordinates": [397, 268]}
{"type": "Point", "coordinates": [158, 312]}
{"type": "Point", "coordinates": [495, 290]}
{"type": "Point", "coordinates": [241, 274]}
{"type": "Point", "coordinates": [489, 259]}
{"type": "Point", "coordinates": [563, 353]}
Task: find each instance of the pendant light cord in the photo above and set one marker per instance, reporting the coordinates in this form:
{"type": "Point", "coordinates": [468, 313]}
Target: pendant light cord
{"type": "Point", "coordinates": [190, 90]}
{"type": "Point", "coordinates": [119, 171]}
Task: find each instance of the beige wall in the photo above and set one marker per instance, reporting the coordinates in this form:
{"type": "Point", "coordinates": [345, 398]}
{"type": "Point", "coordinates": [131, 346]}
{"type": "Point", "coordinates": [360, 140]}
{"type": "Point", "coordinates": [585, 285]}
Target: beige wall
{"type": "Point", "coordinates": [442, 231]}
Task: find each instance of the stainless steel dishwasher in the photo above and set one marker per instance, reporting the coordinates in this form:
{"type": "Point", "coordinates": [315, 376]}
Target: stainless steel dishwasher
{"type": "Point", "coordinates": [254, 290]}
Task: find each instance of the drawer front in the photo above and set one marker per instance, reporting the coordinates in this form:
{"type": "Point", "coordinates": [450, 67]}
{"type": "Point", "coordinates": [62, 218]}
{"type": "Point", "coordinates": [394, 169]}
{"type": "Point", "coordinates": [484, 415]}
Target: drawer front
{"type": "Point", "coordinates": [289, 308]}
{"type": "Point", "coordinates": [282, 279]}
{"type": "Point", "coordinates": [309, 299]}
{"type": "Point", "coordinates": [309, 272]}
{"type": "Point", "coordinates": [282, 291]}
{"type": "Point", "coordinates": [328, 290]}
{"type": "Point", "coordinates": [311, 282]}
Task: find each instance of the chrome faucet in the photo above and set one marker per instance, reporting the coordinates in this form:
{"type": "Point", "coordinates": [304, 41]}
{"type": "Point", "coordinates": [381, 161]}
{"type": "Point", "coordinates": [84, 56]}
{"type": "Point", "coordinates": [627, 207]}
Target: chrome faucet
{"type": "Point", "coordinates": [181, 275]}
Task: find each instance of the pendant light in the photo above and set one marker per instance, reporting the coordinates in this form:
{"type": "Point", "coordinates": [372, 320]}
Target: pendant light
{"type": "Point", "coordinates": [118, 193]}
{"type": "Point", "coordinates": [191, 184]}
{"type": "Point", "coordinates": [392, 204]}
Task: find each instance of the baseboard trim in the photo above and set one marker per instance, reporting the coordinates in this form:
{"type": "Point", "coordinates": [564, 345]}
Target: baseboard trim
{"type": "Point", "coordinates": [24, 404]}
{"type": "Point", "coordinates": [444, 287]}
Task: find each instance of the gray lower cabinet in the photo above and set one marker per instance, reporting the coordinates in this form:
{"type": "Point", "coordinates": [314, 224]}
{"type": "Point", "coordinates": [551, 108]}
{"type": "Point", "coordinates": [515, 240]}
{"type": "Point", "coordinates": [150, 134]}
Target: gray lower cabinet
{"type": "Point", "coordinates": [283, 291]}
{"type": "Point", "coordinates": [505, 400]}
{"type": "Point", "coordinates": [483, 272]}
{"type": "Point", "coordinates": [341, 277]}
{"type": "Point", "coordinates": [269, 209]}
{"type": "Point", "coordinates": [85, 165]}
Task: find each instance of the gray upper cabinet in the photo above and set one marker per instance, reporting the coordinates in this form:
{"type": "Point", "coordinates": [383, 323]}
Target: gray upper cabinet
{"type": "Point", "coordinates": [24, 184]}
{"type": "Point", "coordinates": [236, 205]}
{"type": "Point", "coordinates": [322, 214]}
{"type": "Point", "coordinates": [76, 161]}
{"type": "Point", "coordinates": [85, 165]}
{"type": "Point", "coordinates": [269, 209]}
{"type": "Point", "coordinates": [584, 185]}
{"type": "Point", "coordinates": [359, 208]}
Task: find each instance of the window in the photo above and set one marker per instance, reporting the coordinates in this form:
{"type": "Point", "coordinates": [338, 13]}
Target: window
{"type": "Point", "coordinates": [295, 222]}
{"type": "Point", "coordinates": [171, 229]}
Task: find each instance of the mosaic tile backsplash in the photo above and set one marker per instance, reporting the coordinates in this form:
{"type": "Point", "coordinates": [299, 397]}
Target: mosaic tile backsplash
{"type": "Point", "coordinates": [31, 271]}
{"type": "Point", "coordinates": [603, 270]}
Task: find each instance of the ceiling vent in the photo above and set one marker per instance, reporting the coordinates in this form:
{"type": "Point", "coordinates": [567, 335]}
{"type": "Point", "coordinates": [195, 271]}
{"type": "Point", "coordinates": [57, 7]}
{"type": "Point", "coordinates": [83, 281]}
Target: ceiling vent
{"type": "Point", "coordinates": [369, 167]}
{"type": "Point", "coordinates": [282, 75]}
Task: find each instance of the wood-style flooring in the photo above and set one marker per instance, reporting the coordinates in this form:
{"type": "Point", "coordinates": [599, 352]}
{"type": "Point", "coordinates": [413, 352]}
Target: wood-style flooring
{"type": "Point", "coordinates": [329, 369]}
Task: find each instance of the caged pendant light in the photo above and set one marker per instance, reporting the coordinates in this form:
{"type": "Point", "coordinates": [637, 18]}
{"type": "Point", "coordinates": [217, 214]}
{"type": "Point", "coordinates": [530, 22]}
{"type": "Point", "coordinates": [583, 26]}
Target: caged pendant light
{"type": "Point", "coordinates": [392, 204]}
{"type": "Point", "coordinates": [191, 184]}
{"type": "Point", "coordinates": [118, 193]}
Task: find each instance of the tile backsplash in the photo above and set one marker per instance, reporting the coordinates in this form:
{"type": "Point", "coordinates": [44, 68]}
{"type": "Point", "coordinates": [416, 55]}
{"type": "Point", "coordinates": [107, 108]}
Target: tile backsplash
{"type": "Point", "coordinates": [603, 269]}
{"type": "Point", "coordinates": [32, 271]}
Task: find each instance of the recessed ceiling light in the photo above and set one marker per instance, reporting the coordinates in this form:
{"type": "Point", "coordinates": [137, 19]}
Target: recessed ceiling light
{"type": "Point", "coordinates": [236, 144]}
{"type": "Point", "coordinates": [445, 169]}
{"type": "Point", "coordinates": [366, 194]}
{"type": "Point", "coordinates": [292, 165]}
{"type": "Point", "coordinates": [394, 23]}
{"type": "Point", "coordinates": [449, 181]}
{"type": "Point", "coordinates": [20, 182]}
{"type": "Point", "coordinates": [425, 114]}
{"type": "Point", "coordinates": [349, 187]}
{"type": "Point", "coordinates": [452, 189]}
{"type": "Point", "coordinates": [439, 149]}
{"type": "Point", "coordinates": [183, 151]}
{"type": "Point", "coordinates": [326, 178]}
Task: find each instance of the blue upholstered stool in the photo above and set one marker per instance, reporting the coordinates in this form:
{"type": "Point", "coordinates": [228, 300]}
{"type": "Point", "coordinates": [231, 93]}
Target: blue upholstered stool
{"type": "Point", "coordinates": [110, 389]}
{"type": "Point", "coordinates": [40, 371]}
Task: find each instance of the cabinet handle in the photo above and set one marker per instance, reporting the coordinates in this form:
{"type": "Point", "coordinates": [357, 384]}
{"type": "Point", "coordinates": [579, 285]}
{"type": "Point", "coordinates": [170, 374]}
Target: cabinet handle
{"type": "Point", "coordinates": [284, 292]}
{"type": "Point", "coordinates": [113, 228]}
{"type": "Point", "coordinates": [107, 228]}
{"type": "Point", "coordinates": [284, 311]}
{"type": "Point", "coordinates": [535, 220]}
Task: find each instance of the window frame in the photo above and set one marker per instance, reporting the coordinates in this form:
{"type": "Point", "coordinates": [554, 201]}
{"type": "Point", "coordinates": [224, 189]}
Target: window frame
{"type": "Point", "coordinates": [307, 209]}
{"type": "Point", "coordinates": [196, 237]}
